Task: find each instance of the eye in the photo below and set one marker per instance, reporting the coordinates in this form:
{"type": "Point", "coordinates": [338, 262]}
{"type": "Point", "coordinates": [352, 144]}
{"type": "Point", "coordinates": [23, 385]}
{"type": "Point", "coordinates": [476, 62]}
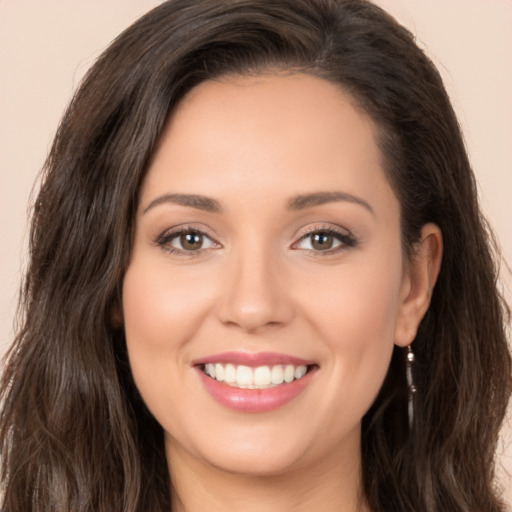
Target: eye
{"type": "Point", "coordinates": [186, 241]}
{"type": "Point", "coordinates": [325, 240]}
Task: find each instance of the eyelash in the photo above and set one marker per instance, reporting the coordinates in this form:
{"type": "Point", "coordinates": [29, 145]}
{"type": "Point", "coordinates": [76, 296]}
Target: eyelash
{"type": "Point", "coordinates": [165, 239]}
{"type": "Point", "coordinates": [347, 241]}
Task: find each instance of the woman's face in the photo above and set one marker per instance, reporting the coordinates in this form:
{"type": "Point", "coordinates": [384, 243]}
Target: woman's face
{"type": "Point", "coordinates": [266, 287]}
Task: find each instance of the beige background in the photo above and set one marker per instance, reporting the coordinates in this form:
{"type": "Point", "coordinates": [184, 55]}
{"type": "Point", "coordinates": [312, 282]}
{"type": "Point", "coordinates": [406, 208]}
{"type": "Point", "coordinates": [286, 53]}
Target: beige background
{"type": "Point", "coordinates": [46, 46]}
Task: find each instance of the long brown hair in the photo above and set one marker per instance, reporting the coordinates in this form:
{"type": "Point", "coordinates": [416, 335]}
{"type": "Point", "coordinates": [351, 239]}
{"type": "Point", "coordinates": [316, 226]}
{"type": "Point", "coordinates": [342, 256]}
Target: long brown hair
{"type": "Point", "coordinates": [74, 433]}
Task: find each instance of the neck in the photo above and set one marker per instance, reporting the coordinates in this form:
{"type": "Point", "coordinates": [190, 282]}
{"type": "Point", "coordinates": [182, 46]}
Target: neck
{"type": "Point", "coordinates": [197, 486]}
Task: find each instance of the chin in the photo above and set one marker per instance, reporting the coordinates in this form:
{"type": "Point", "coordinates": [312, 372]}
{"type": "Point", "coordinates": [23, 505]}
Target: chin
{"type": "Point", "coordinates": [259, 464]}
{"type": "Point", "coordinates": [255, 455]}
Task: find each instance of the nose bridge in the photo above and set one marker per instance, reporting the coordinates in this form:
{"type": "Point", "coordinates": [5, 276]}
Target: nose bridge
{"type": "Point", "coordinates": [255, 292]}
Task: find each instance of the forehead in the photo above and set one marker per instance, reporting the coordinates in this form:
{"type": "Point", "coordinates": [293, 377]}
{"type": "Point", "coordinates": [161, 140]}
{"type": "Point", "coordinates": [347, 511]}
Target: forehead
{"type": "Point", "coordinates": [267, 134]}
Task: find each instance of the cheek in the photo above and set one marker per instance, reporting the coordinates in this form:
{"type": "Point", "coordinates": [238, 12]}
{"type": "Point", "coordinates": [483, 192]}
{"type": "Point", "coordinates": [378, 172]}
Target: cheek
{"type": "Point", "coordinates": [355, 315]}
{"type": "Point", "coordinates": [357, 304]}
{"type": "Point", "coordinates": [160, 308]}
{"type": "Point", "coordinates": [162, 313]}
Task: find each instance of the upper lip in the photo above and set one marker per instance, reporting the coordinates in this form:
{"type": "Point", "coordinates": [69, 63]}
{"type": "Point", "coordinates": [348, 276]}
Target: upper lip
{"type": "Point", "coordinates": [252, 359]}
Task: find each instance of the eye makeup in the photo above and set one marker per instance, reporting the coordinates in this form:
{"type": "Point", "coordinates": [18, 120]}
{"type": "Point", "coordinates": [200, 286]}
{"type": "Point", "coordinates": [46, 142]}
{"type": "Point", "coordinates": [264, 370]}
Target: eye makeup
{"type": "Point", "coordinates": [191, 241]}
{"type": "Point", "coordinates": [325, 240]}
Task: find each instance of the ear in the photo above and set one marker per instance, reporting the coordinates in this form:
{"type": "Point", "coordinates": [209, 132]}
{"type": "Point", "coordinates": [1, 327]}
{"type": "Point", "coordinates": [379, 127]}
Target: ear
{"type": "Point", "coordinates": [420, 275]}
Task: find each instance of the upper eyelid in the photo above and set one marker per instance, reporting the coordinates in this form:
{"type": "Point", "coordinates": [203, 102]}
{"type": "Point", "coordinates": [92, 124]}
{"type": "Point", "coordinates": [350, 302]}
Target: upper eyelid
{"type": "Point", "coordinates": [346, 237]}
{"type": "Point", "coordinates": [170, 233]}
{"type": "Point", "coordinates": [164, 240]}
{"type": "Point", "coordinates": [324, 228]}
{"type": "Point", "coordinates": [184, 228]}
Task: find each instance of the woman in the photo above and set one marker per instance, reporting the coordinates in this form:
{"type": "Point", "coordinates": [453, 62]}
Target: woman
{"type": "Point", "coordinates": [259, 278]}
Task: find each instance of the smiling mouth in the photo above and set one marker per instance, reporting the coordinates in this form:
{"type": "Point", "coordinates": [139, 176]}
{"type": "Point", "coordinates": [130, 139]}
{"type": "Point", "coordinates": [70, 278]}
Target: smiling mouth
{"type": "Point", "coordinates": [260, 377]}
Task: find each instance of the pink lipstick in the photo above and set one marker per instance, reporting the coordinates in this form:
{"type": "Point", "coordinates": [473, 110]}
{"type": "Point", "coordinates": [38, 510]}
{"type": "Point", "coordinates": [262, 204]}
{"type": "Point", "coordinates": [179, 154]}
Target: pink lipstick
{"type": "Point", "coordinates": [249, 382]}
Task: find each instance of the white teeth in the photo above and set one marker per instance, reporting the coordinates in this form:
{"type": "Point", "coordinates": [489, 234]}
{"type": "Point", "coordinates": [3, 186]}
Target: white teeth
{"type": "Point", "coordinates": [244, 376]}
{"type": "Point", "coordinates": [209, 369]}
{"type": "Point", "coordinates": [300, 371]}
{"type": "Point", "coordinates": [261, 377]}
{"type": "Point", "coordinates": [289, 373]}
{"type": "Point", "coordinates": [277, 375]}
{"type": "Point", "coordinates": [229, 373]}
{"type": "Point", "coordinates": [219, 372]}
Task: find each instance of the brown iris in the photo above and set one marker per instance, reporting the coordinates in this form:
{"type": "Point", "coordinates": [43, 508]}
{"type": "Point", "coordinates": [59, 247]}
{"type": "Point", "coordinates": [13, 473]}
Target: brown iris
{"type": "Point", "coordinates": [322, 241]}
{"type": "Point", "coordinates": [191, 241]}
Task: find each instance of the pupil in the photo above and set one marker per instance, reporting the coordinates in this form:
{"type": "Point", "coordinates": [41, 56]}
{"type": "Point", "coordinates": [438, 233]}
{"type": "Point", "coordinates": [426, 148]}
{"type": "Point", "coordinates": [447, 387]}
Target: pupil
{"type": "Point", "coordinates": [322, 241]}
{"type": "Point", "coordinates": [191, 241]}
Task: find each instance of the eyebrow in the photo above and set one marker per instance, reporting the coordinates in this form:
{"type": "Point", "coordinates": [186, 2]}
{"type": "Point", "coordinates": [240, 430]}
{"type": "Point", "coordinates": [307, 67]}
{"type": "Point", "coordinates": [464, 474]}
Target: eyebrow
{"type": "Point", "coordinates": [302, 202]}
{"type": "Point", "coordinates": [192, 200]}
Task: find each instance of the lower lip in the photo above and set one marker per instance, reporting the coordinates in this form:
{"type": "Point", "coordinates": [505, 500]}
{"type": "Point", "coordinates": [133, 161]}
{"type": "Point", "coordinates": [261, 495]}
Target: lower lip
{"type": "Point", "coordinates": [255, 400]}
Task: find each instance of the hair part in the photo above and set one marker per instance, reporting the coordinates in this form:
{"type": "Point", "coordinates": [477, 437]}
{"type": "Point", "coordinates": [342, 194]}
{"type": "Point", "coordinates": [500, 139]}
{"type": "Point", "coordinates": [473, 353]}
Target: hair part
{"type": "Point", "coordinates": [74, 432]}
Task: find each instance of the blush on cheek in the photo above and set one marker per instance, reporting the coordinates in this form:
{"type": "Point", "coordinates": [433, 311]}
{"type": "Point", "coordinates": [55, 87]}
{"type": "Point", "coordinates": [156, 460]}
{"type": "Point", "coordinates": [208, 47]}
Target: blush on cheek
{"type": "Point", "coordinates": [358, 319]}
{"type": "Point", "coordinates": [158, 307]}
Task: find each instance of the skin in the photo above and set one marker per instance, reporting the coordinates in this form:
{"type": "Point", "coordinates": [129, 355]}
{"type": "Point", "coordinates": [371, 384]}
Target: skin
{"type": "Point", "coordinates": [258, 285]}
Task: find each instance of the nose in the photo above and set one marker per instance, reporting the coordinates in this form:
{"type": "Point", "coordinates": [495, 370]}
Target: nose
{"type": "Point", "coordinates": [255, 293]}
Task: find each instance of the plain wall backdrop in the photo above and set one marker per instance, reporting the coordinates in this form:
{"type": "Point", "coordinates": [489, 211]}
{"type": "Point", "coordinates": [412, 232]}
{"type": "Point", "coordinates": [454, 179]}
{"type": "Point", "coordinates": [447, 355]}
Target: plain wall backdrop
{"type": "Point", "coordinates": [45, 48]}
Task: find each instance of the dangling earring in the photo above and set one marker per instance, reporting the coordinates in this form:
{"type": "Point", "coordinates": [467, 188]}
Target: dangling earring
{"type": "Point", "coordinates": [410, 385]}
